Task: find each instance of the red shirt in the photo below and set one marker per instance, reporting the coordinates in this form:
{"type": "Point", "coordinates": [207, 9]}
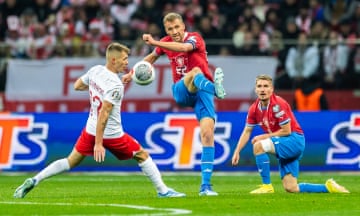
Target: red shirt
{"type": "Point", "coordinates": [183, 62]}
{"type": "Point", "coordinates": [270, 118]}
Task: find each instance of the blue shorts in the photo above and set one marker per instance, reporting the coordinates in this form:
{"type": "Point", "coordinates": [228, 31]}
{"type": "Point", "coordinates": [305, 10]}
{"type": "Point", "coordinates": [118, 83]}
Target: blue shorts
{"type": "Point", "coordinates": [289, 151]}
{"type": "Point", "coordinates": [201, 101]}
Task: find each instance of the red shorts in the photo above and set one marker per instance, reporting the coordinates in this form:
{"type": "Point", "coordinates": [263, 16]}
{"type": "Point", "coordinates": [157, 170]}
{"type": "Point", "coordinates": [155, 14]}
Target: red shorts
{"type": "Point", "coordinates": [123, 148]}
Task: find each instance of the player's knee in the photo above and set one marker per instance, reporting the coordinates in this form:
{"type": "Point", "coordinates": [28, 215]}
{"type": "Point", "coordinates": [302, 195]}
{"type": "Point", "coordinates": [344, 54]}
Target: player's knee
{"type": "Point", "coordinates": [196, 70]}
{"type": "Point", "coordinates": [257, 148]}
{"type": "Point", "coordinates": [207, 135]}
{"type": "Point", "coordinates": [291, 188]}
{"type": "Point", "coordinates": [290, 183]}
{"type": "Point", "coordinates": [141, 156]}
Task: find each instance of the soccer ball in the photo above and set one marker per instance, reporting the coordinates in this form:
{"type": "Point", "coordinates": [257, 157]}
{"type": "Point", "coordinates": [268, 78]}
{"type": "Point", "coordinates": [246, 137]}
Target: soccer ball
{"type": "Point", "coordinates": [143, 73]}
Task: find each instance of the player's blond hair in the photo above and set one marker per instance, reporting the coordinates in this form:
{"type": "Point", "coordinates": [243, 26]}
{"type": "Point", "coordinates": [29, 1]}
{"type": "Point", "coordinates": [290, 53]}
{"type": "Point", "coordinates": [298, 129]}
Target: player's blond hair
{"type": "Point", "coordinates": [116, 47]}
{"type": "Point", "coordinates": [170, 17]}
{"type": "Point", "coordinates": [263, 77]}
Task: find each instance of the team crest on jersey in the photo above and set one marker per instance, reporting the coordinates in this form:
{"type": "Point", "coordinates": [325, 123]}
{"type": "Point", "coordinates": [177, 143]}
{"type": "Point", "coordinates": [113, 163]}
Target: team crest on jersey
{"type": "Point", "coordinates": [180, 61]}
{"type": "Point", "coordinates": [276, 108]}
{"type": "Point", "coordinates": [116, 94]}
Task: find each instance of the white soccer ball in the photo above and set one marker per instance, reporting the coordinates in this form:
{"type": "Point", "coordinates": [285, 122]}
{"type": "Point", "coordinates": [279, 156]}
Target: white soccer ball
{"type": "Point", "coordinates": [143, 73]}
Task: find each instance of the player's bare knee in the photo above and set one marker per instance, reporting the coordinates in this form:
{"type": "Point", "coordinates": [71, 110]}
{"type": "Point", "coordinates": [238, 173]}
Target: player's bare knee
{"type": "Point", "coordinates": [290, 183]}
{"type": "Point", "coordinates": [291, 188]}
{"type": "Point", "coordinates": [258, 149]}
{"type": "Point", "coordinates": [206, 137]}
{"type": "Point", "coordinates": [141, 156]}
{"type": "Point", "coordinates": [195, 71]}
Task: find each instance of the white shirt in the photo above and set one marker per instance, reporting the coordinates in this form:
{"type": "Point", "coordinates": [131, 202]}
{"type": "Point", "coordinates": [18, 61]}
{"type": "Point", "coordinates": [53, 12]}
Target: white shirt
{"type": "Point", "coordinates": [104, 85]}
{"type": "Point", "coordinates": [335, 59]}
{"type": "Point", "coordinates": [302, 64]}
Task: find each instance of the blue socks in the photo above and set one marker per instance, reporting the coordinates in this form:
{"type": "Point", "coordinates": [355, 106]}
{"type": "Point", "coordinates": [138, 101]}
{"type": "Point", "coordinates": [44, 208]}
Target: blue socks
{"type": "Point", "coordinates": [207, 164]}
{"type": "Point", "coordinates": [202, 83]}
{"type": "Point", "coordinates": [263, 165]}
{"type": "Point", "coordinates": [312, 188]}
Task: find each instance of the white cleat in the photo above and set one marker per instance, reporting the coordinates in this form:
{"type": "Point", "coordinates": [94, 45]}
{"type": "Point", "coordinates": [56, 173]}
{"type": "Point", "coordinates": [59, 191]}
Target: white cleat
{"type": "Point", "coordinates": [218, 82]}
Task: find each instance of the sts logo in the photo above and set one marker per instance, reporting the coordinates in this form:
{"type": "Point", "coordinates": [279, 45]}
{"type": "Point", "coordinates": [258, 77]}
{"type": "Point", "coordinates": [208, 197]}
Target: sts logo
{"type": "Point", "coordinates": [345, 136]}
{"type": "Point", "coordinates": [22, 140]}
{"type": "Point", "coordinates": [176, 141]}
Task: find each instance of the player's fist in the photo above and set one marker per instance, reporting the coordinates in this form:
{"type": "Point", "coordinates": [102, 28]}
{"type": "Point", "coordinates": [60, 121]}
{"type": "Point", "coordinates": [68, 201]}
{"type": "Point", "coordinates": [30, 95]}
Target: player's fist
{"type": "Point", "coordinates": [147, 38]}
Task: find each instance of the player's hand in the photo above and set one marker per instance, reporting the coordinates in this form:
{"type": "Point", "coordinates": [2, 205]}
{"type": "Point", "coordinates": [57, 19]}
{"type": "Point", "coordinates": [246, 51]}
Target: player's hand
{"type": "Point", "coordinates": [148, 39]}
{"type": "Point", "coordinates": [235, 159]}
{"type": "Point", "coordinates": [99, 153]}
{"type": "Point", "coordinates": [126, 78]}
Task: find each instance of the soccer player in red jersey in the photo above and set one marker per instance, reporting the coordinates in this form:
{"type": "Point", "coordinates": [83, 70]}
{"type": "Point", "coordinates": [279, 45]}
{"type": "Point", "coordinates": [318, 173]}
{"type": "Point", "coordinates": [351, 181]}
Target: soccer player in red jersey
{"type": "Point", "coordinates": [194, 85]}
{"type": "Point", "coordinates": [103, 128]}
{"type": "Point", "coordinates": [282, 137]}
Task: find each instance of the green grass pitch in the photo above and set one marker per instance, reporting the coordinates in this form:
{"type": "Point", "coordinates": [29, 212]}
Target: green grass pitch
{"type": "Point", "coordinates": [133, 194]}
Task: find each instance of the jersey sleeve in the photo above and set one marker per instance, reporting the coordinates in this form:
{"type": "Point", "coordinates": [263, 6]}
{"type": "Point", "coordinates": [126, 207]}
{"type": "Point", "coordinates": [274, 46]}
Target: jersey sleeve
{"type": "Point", "coordinates": [85, 78]}
{"type": "Point", "coordinates": [282, 112]}
{"type": "Point", "coordinates": [194, 41]}
{"type": "Point", "coordinates": [158, 51]}
{"type": "Point", "coordinates": [251, 117]}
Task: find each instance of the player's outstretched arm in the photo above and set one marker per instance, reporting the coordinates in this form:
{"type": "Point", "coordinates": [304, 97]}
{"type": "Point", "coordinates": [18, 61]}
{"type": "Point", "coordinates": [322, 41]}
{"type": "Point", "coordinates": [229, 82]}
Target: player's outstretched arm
{"type": "Point", "coordinates": [173, 46]}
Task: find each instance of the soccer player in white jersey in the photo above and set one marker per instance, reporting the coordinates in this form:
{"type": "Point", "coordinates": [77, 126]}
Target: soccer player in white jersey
{"type": "Point", "coordinates": [103, 129]}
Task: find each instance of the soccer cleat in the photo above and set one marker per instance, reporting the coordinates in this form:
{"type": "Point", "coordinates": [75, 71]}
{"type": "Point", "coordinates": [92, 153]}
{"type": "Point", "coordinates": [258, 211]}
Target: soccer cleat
{"type": "Point", "coordinates": [25, 188]}
{"type": "Point", "coordinates": [171, 193]}
{"type": "Point", "coordinates": [334, 187]}
{"type": "Point", "coordinates": [263, 189]}
{"type": "Point", "coordinates": [218, 82]}
{"type": "Point", "coordinates": [206, 190]}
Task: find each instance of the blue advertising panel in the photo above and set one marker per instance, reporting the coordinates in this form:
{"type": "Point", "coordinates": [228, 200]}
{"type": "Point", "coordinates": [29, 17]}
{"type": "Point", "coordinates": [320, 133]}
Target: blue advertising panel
{"type": "Point", "coordinates": [30, 141]}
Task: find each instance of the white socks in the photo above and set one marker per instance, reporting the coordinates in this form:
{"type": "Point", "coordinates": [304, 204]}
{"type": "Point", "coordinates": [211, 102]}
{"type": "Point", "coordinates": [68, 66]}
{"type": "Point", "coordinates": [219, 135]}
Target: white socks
{"type": "Point", "coordinates": [54, 168]}
{"type": "Point", "coordinates": [150, 169]}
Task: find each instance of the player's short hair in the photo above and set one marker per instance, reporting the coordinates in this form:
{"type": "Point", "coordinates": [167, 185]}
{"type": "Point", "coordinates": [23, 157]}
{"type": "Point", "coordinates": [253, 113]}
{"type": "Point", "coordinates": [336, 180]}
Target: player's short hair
{"type": "Point", "coordinates": [263, 77]}
{"type": "Point", "coordinates": [170, 17]}
{"type": "Point", "coordinates": [117, 47]}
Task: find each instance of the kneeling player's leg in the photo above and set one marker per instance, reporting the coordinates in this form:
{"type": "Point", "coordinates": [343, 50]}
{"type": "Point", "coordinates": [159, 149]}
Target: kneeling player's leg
{"type": "Point", "coordinates": [261, 150]}
{"type": "Point", "coordinates": [289, 172]}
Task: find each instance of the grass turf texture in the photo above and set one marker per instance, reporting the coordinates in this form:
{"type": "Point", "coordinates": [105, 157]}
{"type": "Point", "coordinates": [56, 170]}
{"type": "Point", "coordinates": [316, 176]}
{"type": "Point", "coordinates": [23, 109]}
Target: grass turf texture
{"type": "Point", "coordinates": [133, 194]}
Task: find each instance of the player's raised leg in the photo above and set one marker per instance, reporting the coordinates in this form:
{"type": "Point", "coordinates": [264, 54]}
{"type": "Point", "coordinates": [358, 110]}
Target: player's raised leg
{"type": "Point", "coordinates": [218, 82]}
{"type": "Point", "coordinates": [204, 84]}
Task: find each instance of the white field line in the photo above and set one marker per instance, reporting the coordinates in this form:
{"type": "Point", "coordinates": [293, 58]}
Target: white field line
{"type": "Point", "coordinates": [185, 173]}
{"type": "Point", "coordinates": [166, 211]}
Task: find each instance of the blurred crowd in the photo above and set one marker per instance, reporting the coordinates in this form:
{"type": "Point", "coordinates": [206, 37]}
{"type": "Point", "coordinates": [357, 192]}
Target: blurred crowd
{"type": "Point", "coordinates": [313, 40]}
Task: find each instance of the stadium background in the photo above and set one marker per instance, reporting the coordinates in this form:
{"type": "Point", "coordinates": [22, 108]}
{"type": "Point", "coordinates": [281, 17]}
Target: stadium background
{"type": "Point", "coordinates": [42, 116]}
